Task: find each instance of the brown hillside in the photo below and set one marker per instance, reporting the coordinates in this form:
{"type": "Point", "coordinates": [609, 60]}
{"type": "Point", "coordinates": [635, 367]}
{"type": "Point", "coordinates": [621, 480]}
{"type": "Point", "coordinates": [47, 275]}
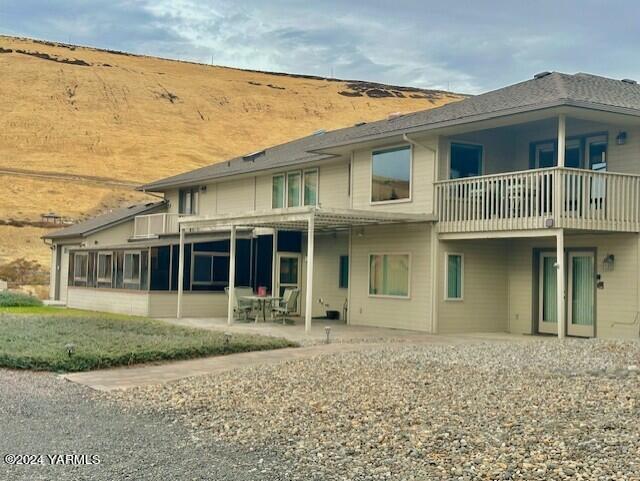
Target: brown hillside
{"type": "Point", "coordinates": [79, 126]}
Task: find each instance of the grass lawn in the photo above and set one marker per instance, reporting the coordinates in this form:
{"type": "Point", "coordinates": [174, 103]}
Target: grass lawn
{"type": "Point", "coordinates": [35, 338]}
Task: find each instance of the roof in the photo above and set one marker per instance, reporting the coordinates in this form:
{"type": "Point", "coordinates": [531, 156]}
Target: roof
{"type": "Point", "coordinates": [111, 218]}
{"type": "Point", "coordinates": [544, 91]}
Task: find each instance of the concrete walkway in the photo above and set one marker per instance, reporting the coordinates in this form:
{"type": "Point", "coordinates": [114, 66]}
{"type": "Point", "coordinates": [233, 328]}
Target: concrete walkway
{"type": "Point", "coordinates": [147, 374]}
{"type": "Point", "coordinates": [367, 338]}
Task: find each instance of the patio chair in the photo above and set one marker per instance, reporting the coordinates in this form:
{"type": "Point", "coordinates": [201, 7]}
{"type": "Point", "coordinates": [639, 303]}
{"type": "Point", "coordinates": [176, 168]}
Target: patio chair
{"type": "Point", "coordinates": [288, 304]}
{"type": "Point", "coordinates": [241, 307]}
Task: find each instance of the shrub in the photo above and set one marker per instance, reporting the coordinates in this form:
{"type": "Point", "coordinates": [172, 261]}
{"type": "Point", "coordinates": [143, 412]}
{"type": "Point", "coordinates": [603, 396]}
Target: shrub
{"type": "Point", "coordinates": [18, 299]}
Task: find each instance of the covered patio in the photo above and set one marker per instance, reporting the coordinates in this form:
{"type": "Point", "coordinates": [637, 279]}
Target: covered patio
{"type": "Point", "coordinates": [309, 220]}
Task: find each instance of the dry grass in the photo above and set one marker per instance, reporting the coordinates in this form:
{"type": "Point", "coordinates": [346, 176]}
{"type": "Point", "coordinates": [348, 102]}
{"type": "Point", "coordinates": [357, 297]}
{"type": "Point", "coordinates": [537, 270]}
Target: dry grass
{"type": "Point", "coordinates": [137, 119]}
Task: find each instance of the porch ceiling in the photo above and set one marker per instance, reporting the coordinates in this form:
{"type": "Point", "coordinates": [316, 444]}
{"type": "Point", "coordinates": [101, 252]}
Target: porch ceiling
{"type": "Point", "coordinates": [298, 218]}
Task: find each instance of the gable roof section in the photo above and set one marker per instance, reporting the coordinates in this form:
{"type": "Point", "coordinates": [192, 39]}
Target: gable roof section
{"type": "Point", "coordinates": [552, 90]}
{"type": "Point", "coordinates": [110, 219]}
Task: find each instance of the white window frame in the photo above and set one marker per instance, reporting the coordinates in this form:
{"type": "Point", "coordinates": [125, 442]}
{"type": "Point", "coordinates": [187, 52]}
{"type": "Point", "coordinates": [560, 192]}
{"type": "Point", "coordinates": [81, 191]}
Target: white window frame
{"type": "Point", "coordinates": [304, 174]}
{"type": "Point", "coordinates": [86, 270]}
{"type": "Point", "coordinates": [212, 255]}
{"type": "Point", "coordinates": [483, 166]}
{"type": "Point", "coordinates": [104, 279]}
{"type": "Point", "coordinates": [396, 201]}
{"type": "Point", "coordinates": [124, 267]}
{"type": "Point", "coordinates": [387, 296]}
{"type": "Point", "coordinates": [284, 198]}
{"type": "Point", "coordinates": [446, 277]}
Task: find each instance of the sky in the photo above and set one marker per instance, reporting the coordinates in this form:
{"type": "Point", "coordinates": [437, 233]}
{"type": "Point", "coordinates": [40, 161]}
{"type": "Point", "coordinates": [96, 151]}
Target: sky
{"type": "Point", "coordinates": [463, 46]}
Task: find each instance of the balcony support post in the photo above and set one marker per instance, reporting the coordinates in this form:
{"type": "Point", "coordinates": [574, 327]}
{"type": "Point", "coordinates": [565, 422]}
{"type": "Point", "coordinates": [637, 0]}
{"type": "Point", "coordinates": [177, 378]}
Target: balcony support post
{"type": "Point", "coordinates": [309, 294]}
{"type": "Point", "coordinates": [560, 283]}
{"type": "Point", "coordinates": [180, 272]}
{"type": "Point", "coordinates": [232, 274]}
{"type": "Point", "coordinates": [562, 131]}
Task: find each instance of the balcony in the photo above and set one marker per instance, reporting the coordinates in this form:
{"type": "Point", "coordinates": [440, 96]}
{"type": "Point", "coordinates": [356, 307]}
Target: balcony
{"type": "Point", "coordinates": [537, 199]}
{"type": "Point", "coordinates": [154, 225]}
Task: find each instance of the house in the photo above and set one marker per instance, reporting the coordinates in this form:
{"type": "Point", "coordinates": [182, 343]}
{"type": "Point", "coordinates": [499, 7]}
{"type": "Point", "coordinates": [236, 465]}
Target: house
{"type": "Point", "coordinates": [517, 210]}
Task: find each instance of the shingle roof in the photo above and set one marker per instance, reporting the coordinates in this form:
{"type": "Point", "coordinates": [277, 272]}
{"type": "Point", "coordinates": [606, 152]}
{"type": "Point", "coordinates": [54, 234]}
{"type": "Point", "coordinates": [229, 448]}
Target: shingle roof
{"type": "Point", "coordinates": [115, 216]}
{"type": "Point", "coordinates": [550, 90]}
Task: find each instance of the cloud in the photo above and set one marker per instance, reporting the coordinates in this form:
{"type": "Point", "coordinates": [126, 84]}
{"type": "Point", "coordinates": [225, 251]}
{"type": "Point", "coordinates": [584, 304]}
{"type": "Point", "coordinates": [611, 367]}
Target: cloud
{"type": "Point", "coordinates": [464, 46]}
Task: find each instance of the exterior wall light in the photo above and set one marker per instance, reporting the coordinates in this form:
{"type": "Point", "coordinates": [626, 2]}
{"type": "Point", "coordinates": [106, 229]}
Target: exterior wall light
{"type": "Point", "coordinates": [608, 262]}
{"type": "Point", "coordinates": [621, 138]}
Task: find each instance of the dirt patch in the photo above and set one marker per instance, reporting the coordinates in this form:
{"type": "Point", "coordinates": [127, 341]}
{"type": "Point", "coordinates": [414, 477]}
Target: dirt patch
{"type": "Point", "coordinates": [53, 58]}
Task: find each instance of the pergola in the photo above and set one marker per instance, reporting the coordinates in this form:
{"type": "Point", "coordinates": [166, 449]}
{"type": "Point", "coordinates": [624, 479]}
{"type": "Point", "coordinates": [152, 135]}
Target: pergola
{"type": "Point", "coordinates": [309, 219]}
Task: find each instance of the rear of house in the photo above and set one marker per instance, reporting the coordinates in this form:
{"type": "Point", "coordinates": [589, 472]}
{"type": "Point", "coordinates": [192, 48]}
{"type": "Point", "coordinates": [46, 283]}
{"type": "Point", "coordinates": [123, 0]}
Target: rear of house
{"type": "Point", "coordinates": [514, 211]}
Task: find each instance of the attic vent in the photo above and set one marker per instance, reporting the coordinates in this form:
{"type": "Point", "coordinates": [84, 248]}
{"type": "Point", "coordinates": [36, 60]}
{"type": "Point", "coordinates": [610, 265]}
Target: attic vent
{"type": "Point", "coordinates": [252, 156]}
{"type": "Point", "coordinates": [319, 132]}
{"type": "Point", "coordinates": [629, 81]}
{"type": "Point", "coordinates": [541, 75]}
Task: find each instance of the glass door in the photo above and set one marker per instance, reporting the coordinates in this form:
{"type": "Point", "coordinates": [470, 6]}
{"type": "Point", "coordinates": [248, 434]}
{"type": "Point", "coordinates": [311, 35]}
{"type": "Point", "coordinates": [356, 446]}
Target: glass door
{"type": "Point", "coordinates": [581, 295]}
{"type": "Point", "coordinates": [288, 274]}
{"type": "Point", "coordinates": [548, 294]}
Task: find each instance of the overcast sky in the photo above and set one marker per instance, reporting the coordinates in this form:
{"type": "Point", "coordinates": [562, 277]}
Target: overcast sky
{"type": "Point", "coordinates": [465, 46]}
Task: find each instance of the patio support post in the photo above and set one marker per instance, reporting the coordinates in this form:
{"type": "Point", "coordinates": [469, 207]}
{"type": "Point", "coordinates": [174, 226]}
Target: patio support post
{"type": "Point", "coordinates": [562, 129]}
{"type": "Point", "coordinates": [560, 283]}
{"type": "Point", "coordinates": [180, 273]}
{"type": "Point", "coordinates": [232, 274]}
{"type": "Point", "coordinates": [309, 297]}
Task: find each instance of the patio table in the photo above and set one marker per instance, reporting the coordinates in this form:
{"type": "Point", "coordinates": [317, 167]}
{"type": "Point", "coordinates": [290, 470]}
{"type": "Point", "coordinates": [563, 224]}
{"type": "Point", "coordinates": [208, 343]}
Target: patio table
{"type": "Point", "coordinates": [262, 302]}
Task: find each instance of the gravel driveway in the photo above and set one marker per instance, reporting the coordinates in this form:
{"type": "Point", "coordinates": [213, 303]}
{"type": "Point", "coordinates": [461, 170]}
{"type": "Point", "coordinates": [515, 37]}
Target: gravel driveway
{"type": "Point", "coordinates": [543, 409]}
{"type": "Point", "coordinates": [42, 414]}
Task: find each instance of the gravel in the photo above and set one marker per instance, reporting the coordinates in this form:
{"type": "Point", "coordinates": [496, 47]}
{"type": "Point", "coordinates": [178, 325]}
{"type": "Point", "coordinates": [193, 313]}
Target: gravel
{"type": "Point", "coordinates": [41, 414]}
{"type": "Point", "coordinates": [541, 409]}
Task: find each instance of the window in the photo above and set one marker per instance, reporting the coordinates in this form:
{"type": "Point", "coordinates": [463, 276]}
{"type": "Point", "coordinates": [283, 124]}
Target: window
{"type": "Point", "coordinates": [131, 268]}
{"type": "Point", "coordinates": [105, 266]}
{"type": "Point", "coordinates": [277, 191]}
{"type": "Point", "coordinates": [391, 174]}
{"type": "Point", "coordinates": [389, 275]}
{"type": "Point", "coordinates": [80, 266]}
{"type": "Point", "coordinates": [210, 268]}
{"type": "Point", "coordinates": [343, 281]}
{"type": "Point", "coordinates": [454, 276]}
{"type": "Point", "coordinates": [188, 201]}
{"type": "Point", "coordinates": [466, 161]}
{"type": "Point", "coordinates": [311, 187]}
{"type": "Point", "coordinates": [293, 189]}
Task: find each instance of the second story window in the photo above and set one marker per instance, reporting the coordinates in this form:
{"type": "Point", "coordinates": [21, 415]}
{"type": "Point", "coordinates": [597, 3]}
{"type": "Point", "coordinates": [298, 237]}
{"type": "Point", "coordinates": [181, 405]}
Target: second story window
{"type": "Point", "coordinates": [391, 174]}
{"type": "Point", "coordinates": [188, 201]}
{"type": "Point", "coordinates": [294, 189]}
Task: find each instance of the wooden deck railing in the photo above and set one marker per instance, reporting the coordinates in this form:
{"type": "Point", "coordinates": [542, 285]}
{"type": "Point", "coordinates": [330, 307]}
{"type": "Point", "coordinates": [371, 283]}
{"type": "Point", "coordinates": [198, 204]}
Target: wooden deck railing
{"type": "Point", "coordinates": [152, 225]}
{"type": "Point", "coordinates": [535, 199]}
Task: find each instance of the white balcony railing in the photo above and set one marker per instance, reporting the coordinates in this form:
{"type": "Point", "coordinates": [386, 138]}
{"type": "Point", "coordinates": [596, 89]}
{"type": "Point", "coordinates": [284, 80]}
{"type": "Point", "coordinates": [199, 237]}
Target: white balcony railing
{"type": "Point", "coordinates": [535, 199]}
{"type": "Point", "coordinates": [153, 225]}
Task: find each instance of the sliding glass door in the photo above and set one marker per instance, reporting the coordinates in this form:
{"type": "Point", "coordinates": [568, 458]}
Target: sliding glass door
{"type": "Point", "coordinates": [548, 294]}
{"type": "Point", "coordinates": [581, 294]}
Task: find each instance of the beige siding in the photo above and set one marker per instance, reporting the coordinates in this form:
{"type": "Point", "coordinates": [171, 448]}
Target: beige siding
{"type": "Point", "coordinates": [616, 304]}
{"type": "Point", "coordinates": [484, 304]}
{"type": "Point", "coordinates": [200, 304]}
{"type": "Point", "coordinates": [422, 182]}
{"type": "Point", "coordinates": [109, 300]}
{"type": "Point", "coordinates": [412, 313]}
{"type": "Point", "coordinates": [237, 196]}
{"type": "Point", "coordinates": [333, 186]}
{"type": "Point", "coordinates": [118, 234]}
{"type": "Point", "coordinates": [326, 268]}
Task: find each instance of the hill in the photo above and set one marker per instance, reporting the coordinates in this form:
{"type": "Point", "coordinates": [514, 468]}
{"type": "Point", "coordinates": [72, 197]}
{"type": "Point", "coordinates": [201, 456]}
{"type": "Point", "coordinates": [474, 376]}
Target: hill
{"type": "Point", "coordinates": [79, 127]}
